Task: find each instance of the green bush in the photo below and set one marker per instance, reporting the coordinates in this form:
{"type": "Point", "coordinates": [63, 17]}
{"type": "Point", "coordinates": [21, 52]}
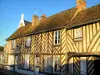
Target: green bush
{"type": "Point", "coordinates": [1, 48]}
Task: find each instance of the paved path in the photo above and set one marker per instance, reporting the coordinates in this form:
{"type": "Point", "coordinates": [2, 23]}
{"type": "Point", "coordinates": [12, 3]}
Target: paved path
{"type": "Point", "coordinates": [6, 72]}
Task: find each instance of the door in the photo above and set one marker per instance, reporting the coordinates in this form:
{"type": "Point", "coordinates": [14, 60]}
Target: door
{"type": "Point", "coordinates": [97, 66]}
{"type": "Point", "coordinates": [71, 65]}
{"type": "Point", "coordinates": [48, 63]}
{"type": "Point", "coordinates": [37, 62]}
{"type": "Point", "coordinates": [76, 65]}
{"type": "Point", "coordinates": [83, 66]}
{"type": "Point", "coordinates": [56, 63]}
{"type": "Point", "coordinates": [90, 65]}
{"type": "Point", "coordinates": [11, 62]}
{"type": "Point", "coordinates": [26, 62]}
{"type": "Point", "coordinates": [16, 62]}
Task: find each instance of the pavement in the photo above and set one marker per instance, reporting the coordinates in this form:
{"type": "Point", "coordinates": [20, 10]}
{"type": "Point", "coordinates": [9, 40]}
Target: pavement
{"type": "Point", "coordinates": [7, 72]}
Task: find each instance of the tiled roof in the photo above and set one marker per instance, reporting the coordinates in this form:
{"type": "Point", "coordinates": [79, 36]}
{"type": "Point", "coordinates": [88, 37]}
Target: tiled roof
{"type": "Point", "coordinates": [60, 20]}
{"type": "Point", "coordinates": [26, 22]}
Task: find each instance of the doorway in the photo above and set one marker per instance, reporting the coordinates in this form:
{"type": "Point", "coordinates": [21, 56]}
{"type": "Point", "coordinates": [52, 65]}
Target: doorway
{"type": "Point", "coordinates": [26, 62]}
{"type": "Point", "coordinates": [48, 63]}
{"type": "Point", "coordinates": [37, 62]}
{"type": "Point", "coordinates": [97, 66]}
{"type": "Point", "coordinates": [56, 64]}
{"type": "Point", "coordinates": [11, 62]}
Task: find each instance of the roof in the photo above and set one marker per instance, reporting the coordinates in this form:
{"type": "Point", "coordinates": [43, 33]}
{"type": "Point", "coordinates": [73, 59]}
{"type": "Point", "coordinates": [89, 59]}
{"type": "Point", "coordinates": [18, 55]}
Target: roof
{"type": "Point", "coordinates": [60, 20]}
{"type": "Point", "coordinates": [26, 22]}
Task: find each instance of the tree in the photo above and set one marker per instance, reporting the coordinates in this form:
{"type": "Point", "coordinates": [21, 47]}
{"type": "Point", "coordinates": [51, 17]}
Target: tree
{"type": "Point", "coordinates": [1, 48]}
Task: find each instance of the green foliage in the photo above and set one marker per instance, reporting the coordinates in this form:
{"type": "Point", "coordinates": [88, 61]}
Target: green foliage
{"type": "Point", "coordinates": [1, 48]}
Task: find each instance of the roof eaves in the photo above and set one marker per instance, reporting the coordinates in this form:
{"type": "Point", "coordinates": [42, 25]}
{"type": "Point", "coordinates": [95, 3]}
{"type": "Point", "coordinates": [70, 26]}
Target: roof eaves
{"type": "Point", "coordinates": [57, 28]}
{"type": "Point", "coordinates": [72, 26]}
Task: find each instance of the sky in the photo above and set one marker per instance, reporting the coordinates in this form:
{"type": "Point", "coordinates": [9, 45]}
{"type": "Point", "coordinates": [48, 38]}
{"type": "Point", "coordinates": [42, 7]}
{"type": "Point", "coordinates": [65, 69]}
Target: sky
{"type": "Point", "coordinates": [11, 10]}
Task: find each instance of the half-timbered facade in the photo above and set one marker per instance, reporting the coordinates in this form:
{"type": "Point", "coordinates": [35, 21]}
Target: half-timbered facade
{"type": "Point", "coordinates": [65, 42]}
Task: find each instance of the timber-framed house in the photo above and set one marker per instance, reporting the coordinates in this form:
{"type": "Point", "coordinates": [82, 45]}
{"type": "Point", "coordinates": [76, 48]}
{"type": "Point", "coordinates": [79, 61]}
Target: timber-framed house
{"type": "Point", "coordinates": [65, 42]}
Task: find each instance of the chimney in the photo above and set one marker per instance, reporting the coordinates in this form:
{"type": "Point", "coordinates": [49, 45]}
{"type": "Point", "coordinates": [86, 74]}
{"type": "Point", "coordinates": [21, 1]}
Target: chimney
{"type": "Point", "coordinates": [35, 20]}
{"type": "Point", "coordinates": [43, 17]}
{"type": "Point", "coordinates": [81, 4]}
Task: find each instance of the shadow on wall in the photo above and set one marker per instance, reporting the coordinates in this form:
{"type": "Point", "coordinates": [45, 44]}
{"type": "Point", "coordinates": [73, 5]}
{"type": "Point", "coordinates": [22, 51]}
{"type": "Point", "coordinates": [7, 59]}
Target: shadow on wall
{"type": "Point", "coordinates": [84, 67]}
{"type": "Point", "coordinates": [77, 67]}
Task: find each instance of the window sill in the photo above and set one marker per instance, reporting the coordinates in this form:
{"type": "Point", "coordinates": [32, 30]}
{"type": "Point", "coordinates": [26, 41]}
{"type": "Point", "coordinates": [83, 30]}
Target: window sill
{"type": "Point", "coordinates": [57, 44]}
{"type": "Point", "coordinates": [78, 39]}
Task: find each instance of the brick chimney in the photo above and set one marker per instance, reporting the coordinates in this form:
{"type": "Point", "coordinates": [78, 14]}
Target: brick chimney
{"type": "Point", "coordinates": [43, 17]}
{"type": "Point", "coordinates": [35, 20]}
{"type": "Point", "coordinates": [81, 4]}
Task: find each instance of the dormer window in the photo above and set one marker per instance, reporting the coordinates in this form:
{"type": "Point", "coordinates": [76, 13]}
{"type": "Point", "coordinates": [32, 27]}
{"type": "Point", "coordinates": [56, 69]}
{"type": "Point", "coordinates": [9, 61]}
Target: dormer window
{"type": "Point", "coordinates": [56, 37]}
{"type": "Point", "coordinates": [13, 44]}
{"type": "Point", "coordinates": [28, 41]}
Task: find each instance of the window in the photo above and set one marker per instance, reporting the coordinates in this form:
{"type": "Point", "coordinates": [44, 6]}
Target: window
{"type": "Point", "coordinates": [56, 63]}
{"type": "Point", "coordinates": [13, 44]}
{"type": "Point", "coordinates": [28, 41]}
{"type": "Point", "coordinates": [26, 61]}
{"type": "Point", "coordinates": [56, 37]}
{"type": "Point", "coordinates": [20, 62]}
{"type": "Point", "coordinates": [78, 34]}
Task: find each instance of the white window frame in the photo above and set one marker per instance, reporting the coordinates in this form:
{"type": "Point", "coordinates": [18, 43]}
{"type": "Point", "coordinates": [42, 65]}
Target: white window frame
{"type": "Point", "coordinates": [57, 35]}
{"type": "Point", "coordinates": [13, 44]}
{"type": "Point", "coordinates": [28, 41]}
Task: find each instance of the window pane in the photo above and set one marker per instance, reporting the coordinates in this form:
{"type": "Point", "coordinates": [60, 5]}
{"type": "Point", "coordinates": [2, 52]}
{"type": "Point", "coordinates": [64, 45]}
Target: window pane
{"type": "Point", "coordinates": [56, 37]}
{"type": "Point", "coordinates": [56, 33]}
{"type": "Point", "coordinates": [28, 41]}
{"type": "Point", "coordinates": [55, 41]}
{"type": "Point", "coordinates": [59, 41]}
{"type": "Point", "coordinates": [13, 42]}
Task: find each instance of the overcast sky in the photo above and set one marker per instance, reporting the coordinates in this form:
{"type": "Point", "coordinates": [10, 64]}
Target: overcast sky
{"type": "Point", "coordinates": [11, 10]}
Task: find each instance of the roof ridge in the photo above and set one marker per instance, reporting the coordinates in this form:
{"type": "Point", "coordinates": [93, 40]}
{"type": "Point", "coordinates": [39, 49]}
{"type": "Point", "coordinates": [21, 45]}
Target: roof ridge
{"type": "Point", "coordinates": [71, 9]}
{"type": "Point", "coordinates": [62, 12]}
{"type": "Point", "coordinates": [92, 6]}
